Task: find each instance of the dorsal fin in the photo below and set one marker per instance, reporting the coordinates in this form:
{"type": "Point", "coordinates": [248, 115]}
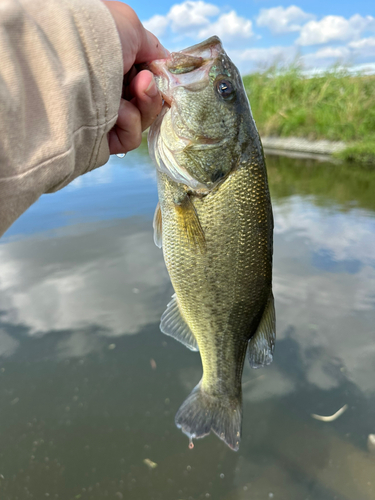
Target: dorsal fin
{"type": "Point", "coordinates": [262, 344]}
{"type": "Point", "coordinates": [173, 324]}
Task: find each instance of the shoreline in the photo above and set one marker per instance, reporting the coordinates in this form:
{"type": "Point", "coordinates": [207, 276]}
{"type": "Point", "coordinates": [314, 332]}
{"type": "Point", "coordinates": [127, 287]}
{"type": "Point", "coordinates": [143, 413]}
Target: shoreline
{"type": "Point", "coordinates": [298, 147]}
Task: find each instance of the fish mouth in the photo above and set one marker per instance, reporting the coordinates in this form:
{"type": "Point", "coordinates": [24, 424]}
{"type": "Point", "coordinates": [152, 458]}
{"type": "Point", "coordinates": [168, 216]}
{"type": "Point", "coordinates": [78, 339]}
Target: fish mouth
{"type": "Point", "coordinates": [194, 57]}
{"type": "Point", "coordinates": [208, 49]}
{"type": "Point", "coordinates": [188, 68]}
{"type": "Point", "coordinates": [188, 59]}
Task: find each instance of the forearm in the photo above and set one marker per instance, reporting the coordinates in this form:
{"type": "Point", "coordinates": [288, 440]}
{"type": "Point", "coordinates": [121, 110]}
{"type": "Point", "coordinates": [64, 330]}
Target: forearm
{"type": "Point", "coordinates": [60, 86]}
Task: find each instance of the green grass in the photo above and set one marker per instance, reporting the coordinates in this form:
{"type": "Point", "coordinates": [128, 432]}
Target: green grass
{"type": "Point", "coordinates": [335, 105]}
{"type": "Point", "coordinates": [363, 152]}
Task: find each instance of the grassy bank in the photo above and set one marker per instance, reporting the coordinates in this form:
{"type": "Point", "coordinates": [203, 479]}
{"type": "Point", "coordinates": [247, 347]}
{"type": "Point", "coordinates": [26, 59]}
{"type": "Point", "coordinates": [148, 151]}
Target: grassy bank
{"type": "Point", "coordinates": [334, 106]}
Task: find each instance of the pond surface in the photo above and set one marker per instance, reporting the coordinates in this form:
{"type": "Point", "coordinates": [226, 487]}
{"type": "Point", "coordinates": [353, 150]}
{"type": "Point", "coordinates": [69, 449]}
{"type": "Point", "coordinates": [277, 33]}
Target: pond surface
{"type": "Point", "coordinates": [89, 386]}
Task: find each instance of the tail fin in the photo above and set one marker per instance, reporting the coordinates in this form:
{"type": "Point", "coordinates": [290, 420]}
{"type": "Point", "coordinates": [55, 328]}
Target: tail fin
{"type": "Point", "coordinates": [201, 412]}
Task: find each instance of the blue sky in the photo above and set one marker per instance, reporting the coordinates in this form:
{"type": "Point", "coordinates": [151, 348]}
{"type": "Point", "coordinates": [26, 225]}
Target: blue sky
{"type": "Point", "coordinates": [258, 33]}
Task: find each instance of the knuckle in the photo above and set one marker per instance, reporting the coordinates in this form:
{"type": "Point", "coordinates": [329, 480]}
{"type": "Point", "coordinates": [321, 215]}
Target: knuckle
{"type": "Point", "coordinates": [132, 17]}
{"type": "Point", "coordinates": [135, 140]}
{"type": "Point", "coordinates": [130, 134]}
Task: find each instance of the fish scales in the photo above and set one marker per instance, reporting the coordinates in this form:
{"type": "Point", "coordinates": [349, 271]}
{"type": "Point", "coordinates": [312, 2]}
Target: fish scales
{"type": "Point", "coordinates": [216, 234]}
{"type": "Point", "coordinates": [235, 222]}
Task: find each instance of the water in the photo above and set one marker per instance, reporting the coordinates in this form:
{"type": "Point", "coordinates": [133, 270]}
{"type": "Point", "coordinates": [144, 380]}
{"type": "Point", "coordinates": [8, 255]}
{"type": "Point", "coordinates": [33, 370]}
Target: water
{"type": "Point", "coordinates": [89, 386]}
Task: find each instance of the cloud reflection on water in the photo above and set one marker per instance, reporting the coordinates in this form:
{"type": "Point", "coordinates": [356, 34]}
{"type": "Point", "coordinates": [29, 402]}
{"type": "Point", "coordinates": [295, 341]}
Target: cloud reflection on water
{"type": "Point", "coordinates": [110, 276]}
{"type": "Point", "coordinates": [348, 235]}
{"type": "Point", "coordinates": [332, 312]}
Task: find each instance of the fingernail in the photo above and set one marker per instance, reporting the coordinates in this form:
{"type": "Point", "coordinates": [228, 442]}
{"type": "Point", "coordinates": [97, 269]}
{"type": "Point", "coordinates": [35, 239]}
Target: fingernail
{"type": "Point", "coordinates": [166, 52]}
{"type": "Point", "coordinates": [152, 89]}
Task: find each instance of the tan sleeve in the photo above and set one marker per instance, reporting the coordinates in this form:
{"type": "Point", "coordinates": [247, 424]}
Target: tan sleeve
{"type": "Point", "coordinates": [60, 88]}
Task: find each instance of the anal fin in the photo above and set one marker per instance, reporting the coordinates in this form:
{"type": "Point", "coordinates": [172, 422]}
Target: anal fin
{"type": "Point", "coordinates": [157, 224]}
{"type": "Point", "coordinates": [262, 344]}
{"type": "Point", "coordinates": [173, 324]}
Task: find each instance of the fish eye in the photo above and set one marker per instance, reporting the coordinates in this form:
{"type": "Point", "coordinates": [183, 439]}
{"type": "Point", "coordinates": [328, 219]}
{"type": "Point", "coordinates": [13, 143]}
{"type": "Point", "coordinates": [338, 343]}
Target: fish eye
{"type": "Point", "coordinates": [225, 89]}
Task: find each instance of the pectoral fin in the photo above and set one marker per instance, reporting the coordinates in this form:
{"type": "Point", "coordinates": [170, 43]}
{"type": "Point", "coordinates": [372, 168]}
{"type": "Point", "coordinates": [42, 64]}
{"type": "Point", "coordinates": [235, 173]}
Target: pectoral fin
{"type": "Point", "coordinates": [173, 324]}
{"type": "Point", "coordinates": [158, 227]}
{"type": "Point", "coordinates": [189, 220]}
{"type": "Point", "coordinates": [262, 344]}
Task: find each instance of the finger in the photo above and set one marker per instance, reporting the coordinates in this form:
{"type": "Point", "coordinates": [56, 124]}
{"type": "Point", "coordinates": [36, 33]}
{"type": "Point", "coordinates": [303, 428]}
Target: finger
{"type": "Point", "coordinates": [126, 135]}
{"type": "Point", "coordinates": [150, 48]}
{"type": "Point", "coordinates": [130, 75]}
{"type": "Point", "coordinates": [138, 44]}
{"type": "Point", "coordinates": [146, 97]}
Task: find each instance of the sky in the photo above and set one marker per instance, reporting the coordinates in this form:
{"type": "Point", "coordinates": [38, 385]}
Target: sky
{"type": "Point", "coordinates": [259, 33]}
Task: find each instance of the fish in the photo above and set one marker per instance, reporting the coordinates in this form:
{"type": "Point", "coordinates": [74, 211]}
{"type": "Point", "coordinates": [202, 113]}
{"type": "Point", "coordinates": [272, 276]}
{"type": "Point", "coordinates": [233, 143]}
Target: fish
{"type": "Point", "coordinates": [214, 224]}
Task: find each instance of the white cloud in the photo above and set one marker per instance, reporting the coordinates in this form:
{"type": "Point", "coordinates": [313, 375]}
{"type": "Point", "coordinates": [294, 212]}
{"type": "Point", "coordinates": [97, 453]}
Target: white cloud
{"type": "Point", "coordinates": [194, 18]}
{"type": "Point", "coordinates": [364, 43]}
{"type": "Point", "coordinates": [266, 56]}
{"type": "Point", "coordinates": [251, 59]}
{"type": "Point", "coordinates": [334, 28]}
{"type": "Point", "coordinates": [157, 24]}
{"type": "Point", "coordinates": [183, 17]}
{"type": "Point", "coordinates": [189, 15]}
{"type": "Point", "coordinates": [342, 39]}
{"type": "Point", "coordinates": [346, 54]}
{"type": "Point", "coordinates": [333, 53]}
{"type": "Point", "coordinates": [364, 47]}
{"type": "Point", "coordinates": [327, 56]}
{"type": "Point", "coordinates": [280, 20]}
{"type": "Point", "coordinates": [228, 26]}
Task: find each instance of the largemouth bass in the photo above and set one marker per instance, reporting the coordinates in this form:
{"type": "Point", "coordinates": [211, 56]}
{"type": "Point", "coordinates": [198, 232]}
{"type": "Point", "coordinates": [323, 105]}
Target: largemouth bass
{"type": "Point", "coordinates": [214, 223]}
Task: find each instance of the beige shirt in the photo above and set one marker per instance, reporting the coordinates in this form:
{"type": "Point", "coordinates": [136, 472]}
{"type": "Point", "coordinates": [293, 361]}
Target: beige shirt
{"type": "Point", "coordinates": [60, 86]}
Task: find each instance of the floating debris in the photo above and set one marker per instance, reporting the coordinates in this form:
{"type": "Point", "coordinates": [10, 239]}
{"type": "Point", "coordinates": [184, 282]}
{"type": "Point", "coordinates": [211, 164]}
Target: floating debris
{"type": "Point", "coordinates": [330, 418]}
{"type": "Point", "coordinates": [150, 464]}
{"type": "Point", "coordinates": [153, 364]}
{"type": "Point", "coordinates": [111, 347]}
{"type": "Point", "coordinates": [371, 443]}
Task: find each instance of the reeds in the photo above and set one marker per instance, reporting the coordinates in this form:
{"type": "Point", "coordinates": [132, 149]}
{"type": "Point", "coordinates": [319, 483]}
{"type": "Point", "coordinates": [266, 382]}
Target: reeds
{"type": "Point", "coordinates": [335, 105]}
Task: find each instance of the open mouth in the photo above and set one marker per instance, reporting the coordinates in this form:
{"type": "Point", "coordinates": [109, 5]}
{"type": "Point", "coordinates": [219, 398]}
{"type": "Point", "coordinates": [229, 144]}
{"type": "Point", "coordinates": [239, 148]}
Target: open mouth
{"type": "Point", "coordinates": [167, 101]}
{"type": "Point", "coordinates": [188, 68]}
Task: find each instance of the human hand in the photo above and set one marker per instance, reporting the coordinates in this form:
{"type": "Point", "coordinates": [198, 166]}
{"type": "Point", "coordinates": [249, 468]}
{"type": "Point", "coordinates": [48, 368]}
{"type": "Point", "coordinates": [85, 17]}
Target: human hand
{"type": "Point", "coordinates": [142, 101]}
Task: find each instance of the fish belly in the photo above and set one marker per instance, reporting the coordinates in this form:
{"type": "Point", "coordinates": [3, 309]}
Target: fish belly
{"type": "Point", "coordinates": [222, 291]}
